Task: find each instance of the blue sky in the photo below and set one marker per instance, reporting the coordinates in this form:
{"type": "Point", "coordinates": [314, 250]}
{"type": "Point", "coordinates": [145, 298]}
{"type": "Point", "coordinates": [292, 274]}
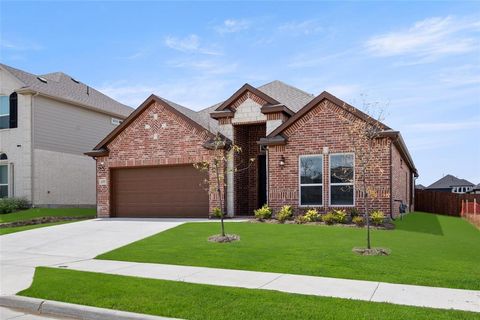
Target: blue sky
{"type": "Point", "coordinates": [419, 60]}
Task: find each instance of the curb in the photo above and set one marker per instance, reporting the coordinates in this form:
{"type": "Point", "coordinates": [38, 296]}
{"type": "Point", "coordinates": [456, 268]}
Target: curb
{"type": "Point", "coordinates": [76, 311]}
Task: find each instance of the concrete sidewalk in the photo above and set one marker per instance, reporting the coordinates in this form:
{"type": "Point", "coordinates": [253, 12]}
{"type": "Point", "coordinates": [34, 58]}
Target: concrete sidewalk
{"type": "Point", "coordinates": [421, 296]}
{"type": "Point", "coordinates": [21, 252]}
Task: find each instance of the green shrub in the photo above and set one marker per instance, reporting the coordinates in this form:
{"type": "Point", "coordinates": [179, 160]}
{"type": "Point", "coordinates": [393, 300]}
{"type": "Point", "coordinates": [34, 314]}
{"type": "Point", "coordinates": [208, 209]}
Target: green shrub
{"type": "Point", "coordinates": [312, 215]}
{"type": "Point", "coordinates": [359, 221]}
{"type": "Point", "coordinates": [263, 213]}
{"type": "Point", "coordinates": [353, 212]}
{"type": "Point", "coordinates": [285, 214]}
{"type": "Point", "coordinates": [329, 218]}
{"type": "Point", "coordinates": [377, 217]}
{"type": "Point", "coordinates": [340, 216]}
{"type": "Point", "coordinates": [216, 213]}
{"type": "Point", "coordinates": [8, 205]}
{"type": "Point", "coordinates": [301, 219]}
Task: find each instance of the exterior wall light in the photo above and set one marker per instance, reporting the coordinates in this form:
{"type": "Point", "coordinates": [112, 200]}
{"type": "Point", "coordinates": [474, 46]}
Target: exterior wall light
{"type": "Point", "coordinates": [282, 161]}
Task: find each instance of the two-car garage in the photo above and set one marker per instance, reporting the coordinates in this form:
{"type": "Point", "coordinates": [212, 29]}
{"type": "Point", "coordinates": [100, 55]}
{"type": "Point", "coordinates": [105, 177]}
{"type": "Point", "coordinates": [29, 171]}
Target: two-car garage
{"type": "Point", "coordinates": [175, 191]}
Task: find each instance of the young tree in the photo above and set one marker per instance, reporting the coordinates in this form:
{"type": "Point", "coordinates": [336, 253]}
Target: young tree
{"type": "Point", "coordinates": [366, 140]}
{"type": "Point", "coordinates": [218, 167]}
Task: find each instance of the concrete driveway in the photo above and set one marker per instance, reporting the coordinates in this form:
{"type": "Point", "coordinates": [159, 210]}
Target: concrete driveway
{"type": "Point", "coordinates": [21, 252]}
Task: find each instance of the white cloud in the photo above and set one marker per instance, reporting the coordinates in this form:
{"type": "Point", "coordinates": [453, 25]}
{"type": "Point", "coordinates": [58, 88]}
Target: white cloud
{"type": "Point", "coordinates": [444, 126]}
{"type": "Point", "coordinates": [189, 44]}
{"type": "Point", "coordinates": [195, 93]}
{"type": "Point", "coordinates": [306, 27]}
{"type": "Point", "coordinates": [428, 39]}
{"type": "Point", "coordinates": [20, 45]}
{"type": "Point", "coordinates": [208, 66]}
{"type": "Point", "coordinates": [233, 25]}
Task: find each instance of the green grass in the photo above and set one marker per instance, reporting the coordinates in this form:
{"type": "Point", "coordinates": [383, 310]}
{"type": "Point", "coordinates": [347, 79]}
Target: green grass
{"type": "Point", "coordinates": [47, 212]}
{"type": "Point", "coordinates": [427, 249]}
{"type": "Point", "coordinates": [30, 227]}
{"type": "Point", "coordinates": [196, 301]}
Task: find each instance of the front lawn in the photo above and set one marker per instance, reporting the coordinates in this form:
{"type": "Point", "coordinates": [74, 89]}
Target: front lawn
{"type": "Point", "coordinates": [47, 212]}
{"type": "Point", "coordinates": [30, 227]}
{"type": "Point", "coordinates": [427, 249]}
{"type": "Point", "coordinates": [38, 213]}
{"type": "Point", "coordinates": [197, 301]}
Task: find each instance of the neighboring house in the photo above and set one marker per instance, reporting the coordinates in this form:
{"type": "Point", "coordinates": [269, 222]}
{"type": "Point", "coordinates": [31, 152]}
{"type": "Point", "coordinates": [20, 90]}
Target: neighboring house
{"type": "Point", "coordinates": [451, 183]}
{"type": "Point", "coordinates": [475, 190]}
{"type": "Point", "coordinates": [46, 123]}
{"type": "Point", "coordinates": [145, 166]}
{"type": "Point", "coordinates": [420, 187]}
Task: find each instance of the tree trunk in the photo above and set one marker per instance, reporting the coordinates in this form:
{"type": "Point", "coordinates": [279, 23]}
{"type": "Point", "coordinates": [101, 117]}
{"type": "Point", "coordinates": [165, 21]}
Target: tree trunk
{"type": "Point", "coordinates": [367, 215]}
{"type": "Point", "coordinates": [219, 195]}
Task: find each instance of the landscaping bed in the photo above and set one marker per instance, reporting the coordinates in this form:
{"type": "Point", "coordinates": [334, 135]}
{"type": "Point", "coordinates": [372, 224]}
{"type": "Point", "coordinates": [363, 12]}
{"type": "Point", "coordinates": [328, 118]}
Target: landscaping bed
{"type": "Point", "coordinates": [425, 249]}
{"type": "Point", "coordinates": [198, 301]}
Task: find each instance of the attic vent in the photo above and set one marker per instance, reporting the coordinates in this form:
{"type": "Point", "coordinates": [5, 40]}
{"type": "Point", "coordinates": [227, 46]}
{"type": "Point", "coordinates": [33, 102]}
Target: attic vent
{"type": "Point", "coordinates": [75, 80]}
{"type": "Point", "coordinates": [42, 79]}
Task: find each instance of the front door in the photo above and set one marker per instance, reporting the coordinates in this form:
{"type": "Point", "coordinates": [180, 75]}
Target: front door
{"type": "Point", "coordinates": [262, 180]}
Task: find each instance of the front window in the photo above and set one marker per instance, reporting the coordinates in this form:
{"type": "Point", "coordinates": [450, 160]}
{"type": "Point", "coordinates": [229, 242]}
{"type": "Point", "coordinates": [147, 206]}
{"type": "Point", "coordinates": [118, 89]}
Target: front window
{"type": "Point", "coordinates": [3, 180]}
{"type": "Point", "coordinates": [311, 180]}
{"type": "Point", "coordinates": [342, 177]}
{"type": "Point", "coordinates": [4, 112]}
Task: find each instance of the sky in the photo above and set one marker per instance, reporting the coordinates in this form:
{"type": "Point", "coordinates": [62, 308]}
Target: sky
{"type": "Point", "coordinates": [418, 61]}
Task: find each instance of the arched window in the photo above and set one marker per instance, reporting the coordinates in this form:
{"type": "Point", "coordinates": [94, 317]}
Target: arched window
{"type": "Point", "coordinates": [3, 175]}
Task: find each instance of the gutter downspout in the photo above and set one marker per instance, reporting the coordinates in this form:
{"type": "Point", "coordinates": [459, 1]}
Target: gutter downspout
{"type": "Point", "coordinates": [32, 142]}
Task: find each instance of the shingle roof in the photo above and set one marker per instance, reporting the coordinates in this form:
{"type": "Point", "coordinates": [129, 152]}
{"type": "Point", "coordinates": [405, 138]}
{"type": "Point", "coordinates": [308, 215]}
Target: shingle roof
{"type": "Point", "coordinates": [61, 85]}
{"type": "Point", "coordinates": [293, 98]}
{"type": "Point", "coordinates": [449, 181]}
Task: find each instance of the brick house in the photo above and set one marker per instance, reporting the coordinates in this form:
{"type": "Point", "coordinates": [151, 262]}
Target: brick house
{"type": "Point", "coordinates": [302, 154]}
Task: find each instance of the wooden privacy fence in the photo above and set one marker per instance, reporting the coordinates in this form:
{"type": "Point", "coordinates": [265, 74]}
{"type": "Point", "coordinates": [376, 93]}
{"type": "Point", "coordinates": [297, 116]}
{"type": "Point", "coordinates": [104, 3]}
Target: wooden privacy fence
{"type": "Point", "coordinates": [443, 202]}
{"type": "Point", "coordinates": [471, 211]}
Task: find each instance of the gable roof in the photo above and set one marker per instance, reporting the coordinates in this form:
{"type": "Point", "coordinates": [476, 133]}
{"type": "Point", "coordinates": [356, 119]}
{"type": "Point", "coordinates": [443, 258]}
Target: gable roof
{"type": "Point", "coordinates": [246, 87]}
{"type": "Point", "coordinates": [64, 87]}
{"type": "Point", "coordinates": [189, 115]}
{"type": "Point", "coordinates": [449, 181]}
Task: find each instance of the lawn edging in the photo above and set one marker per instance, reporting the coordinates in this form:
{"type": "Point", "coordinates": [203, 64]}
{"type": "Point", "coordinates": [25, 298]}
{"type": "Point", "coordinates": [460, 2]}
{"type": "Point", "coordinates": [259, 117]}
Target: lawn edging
{"type": "Point", "coordinates": [77, 311]}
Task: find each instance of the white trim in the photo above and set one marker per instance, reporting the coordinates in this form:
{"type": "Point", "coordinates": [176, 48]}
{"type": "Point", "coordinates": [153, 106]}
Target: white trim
{"type": "Point", "coordinates": [330, 184]}
{"type": "Point", "coordinates": [300, 185]}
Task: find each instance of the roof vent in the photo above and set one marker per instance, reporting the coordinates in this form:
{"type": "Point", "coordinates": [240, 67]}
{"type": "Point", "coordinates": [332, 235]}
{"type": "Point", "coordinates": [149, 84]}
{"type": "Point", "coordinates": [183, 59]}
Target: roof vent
{"type": "Point", "coordinates": [42, 79]}
{"type": "Point", "coordinates": [75, 80]}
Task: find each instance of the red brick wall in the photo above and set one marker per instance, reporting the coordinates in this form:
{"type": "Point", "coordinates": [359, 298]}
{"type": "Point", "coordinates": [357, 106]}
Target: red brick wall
{"type": "Point", "coordinates": [178, 142]}
{"type": "Point", "coordinates": [324, 126]}
{"type": "Point", "coordinates": [401, 181]}
{"type": "Point", "coordinates": [246, 181]}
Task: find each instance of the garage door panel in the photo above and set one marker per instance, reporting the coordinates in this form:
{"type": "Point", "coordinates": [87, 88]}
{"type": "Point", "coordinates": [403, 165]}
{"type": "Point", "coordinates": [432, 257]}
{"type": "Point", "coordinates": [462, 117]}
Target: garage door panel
{"type": "Point", "coordinates": [166, 191]}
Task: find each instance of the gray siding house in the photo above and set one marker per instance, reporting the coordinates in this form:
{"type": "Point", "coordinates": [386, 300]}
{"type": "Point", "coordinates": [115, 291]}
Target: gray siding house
{"type": "Point", "coordinates": [450, 183]}
{"type": "Point", "coordinates": [46, 123]}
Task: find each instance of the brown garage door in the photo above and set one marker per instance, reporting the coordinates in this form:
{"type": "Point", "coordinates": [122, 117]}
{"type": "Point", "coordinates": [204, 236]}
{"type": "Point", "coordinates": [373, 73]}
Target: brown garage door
{"type": "Point", "coordinates": [167, 191]}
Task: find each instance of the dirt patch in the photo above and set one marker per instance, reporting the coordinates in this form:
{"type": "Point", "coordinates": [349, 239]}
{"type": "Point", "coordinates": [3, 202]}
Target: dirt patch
{"type": "Point", "coordinates": [41, 220]}
{"type": "Point", "coordinates": [222, 239]}
{"type": "Point", "coordinates": [372, 251]}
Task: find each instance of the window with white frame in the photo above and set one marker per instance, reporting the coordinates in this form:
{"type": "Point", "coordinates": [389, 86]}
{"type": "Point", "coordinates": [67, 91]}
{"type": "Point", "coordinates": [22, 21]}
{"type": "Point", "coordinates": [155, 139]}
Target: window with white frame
{"type": "Point", "coordinates": [4, 180]}
{"type": "Point", "coordinates": [342, 177]}
{"type": "Point", "coordinates": [311, 180]}
{"type": "Point", "coordinates": [4, 112]}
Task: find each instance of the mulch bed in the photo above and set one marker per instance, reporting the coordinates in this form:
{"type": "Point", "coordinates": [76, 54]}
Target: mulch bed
{"type": "Point", "coordinates": [223, 239]}
{"type": "Point", "coordinates": [372, 251]}
{"type": "Point", "coordinates": [40, 220]}
{"type": "Point", "coordinates": [384, 226]}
